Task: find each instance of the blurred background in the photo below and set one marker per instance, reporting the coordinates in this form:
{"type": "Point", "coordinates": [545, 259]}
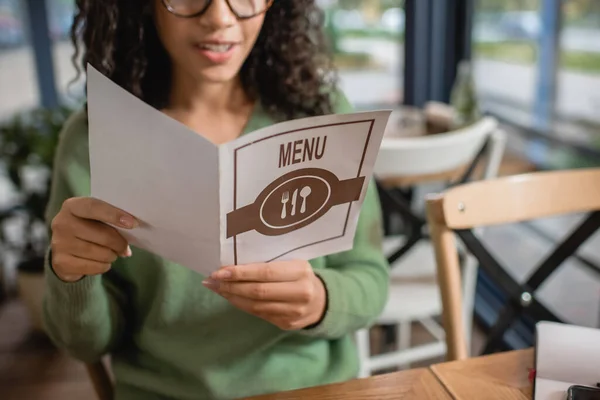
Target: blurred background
{"type": "Point", "coordinates": [532, 64]}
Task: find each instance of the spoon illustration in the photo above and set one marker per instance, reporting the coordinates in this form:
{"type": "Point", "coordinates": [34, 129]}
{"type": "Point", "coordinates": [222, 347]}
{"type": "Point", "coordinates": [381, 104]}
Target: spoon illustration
{"type": "Point", "coordinates": [304, 193]}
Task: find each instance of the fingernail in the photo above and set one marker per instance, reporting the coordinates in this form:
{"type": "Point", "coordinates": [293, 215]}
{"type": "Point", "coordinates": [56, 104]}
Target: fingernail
{"type": "Point", "coordinates": [128, 252]}
{"type": "Point", "coordinates": [222, 274]}
{"type": "Point", "coordinates": [128, 222]}
{"type": "Point", "coordinates": [211, 284]}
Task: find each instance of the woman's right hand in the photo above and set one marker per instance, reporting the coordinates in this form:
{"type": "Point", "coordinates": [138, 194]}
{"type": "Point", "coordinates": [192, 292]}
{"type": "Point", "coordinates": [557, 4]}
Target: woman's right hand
{"type": "Point", "coordinates": [82, 241]}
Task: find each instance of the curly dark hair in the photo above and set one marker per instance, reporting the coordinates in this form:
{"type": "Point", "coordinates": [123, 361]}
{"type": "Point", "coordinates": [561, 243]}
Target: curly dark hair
{"type": "Point", "coordinates": [289, 70]}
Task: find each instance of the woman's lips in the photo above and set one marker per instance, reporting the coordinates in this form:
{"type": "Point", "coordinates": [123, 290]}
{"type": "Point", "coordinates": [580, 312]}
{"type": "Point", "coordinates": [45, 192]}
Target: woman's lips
{"type": "Point", "coordinates": [216, 52]}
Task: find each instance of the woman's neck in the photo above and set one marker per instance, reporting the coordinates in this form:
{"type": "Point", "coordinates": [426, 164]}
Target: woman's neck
{"type": "Point", "coordinates": [217, 111]}
{"type": "Point", "coordinates": [191, 96]}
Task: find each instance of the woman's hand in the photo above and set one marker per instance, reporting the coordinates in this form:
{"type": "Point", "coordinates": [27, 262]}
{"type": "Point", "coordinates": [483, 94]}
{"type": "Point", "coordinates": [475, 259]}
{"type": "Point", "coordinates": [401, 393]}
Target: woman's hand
{"type": "Point", "coordinates": [83, 243]}
{"type": "Point", "coordinates": [287, 294]}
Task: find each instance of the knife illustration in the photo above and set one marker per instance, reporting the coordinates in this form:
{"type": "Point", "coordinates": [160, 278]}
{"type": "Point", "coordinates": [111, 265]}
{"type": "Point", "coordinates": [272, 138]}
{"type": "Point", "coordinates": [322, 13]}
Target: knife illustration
{"type": "Point", "coordinates": [294, 196]}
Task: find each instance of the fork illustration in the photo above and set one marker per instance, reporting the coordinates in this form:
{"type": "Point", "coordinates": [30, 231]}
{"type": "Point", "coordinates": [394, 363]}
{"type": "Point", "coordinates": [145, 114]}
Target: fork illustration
{"type": "Point", "coordinates": [285, 197]}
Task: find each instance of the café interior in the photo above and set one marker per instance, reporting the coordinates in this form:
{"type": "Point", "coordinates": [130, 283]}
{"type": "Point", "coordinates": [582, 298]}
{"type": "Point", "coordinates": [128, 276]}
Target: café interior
{"type": "Point", "coordinates": [488, 177]}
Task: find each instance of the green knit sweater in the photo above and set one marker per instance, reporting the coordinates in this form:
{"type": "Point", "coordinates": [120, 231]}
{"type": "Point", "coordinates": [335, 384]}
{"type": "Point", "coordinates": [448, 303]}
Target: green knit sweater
{"type": "Point", "coordinates": [171, 338]}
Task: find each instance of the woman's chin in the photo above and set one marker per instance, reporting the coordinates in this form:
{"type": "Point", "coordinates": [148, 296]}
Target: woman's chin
{"type": "Point", "coordinates": [219, 74]}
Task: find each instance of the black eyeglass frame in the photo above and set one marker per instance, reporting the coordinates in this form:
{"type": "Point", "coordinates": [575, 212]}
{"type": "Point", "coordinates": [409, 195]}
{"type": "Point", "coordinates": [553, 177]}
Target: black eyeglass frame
{"type": "Point", "coordinates": [207, 6]}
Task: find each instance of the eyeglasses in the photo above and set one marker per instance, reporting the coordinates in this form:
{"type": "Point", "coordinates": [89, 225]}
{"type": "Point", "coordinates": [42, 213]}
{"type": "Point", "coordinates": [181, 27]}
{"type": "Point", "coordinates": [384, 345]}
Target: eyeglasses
{"type": "Point", "coordinates": [242, 9]}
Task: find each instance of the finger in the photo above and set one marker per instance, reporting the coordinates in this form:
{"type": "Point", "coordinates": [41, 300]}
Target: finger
{"type": "Point", "coordinates": [263, 308]}
{"type": "Point", "coordinates": [270, 291]}
{"type": "Point", "coordinates": [100, 234]}
{"type": "Point", "coordinates": [91, 251]}
{"type": "Point", "coordinates": [98, 210]}
{"type": "Point", "coordinates": [284, 315]}
{"type": "Point", "coordinates": [71, 265]}
{"type": "Point", "coordinates": [282, 271]}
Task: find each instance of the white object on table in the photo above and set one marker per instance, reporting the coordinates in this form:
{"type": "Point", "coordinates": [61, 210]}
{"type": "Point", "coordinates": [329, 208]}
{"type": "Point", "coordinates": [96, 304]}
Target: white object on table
{"type": "Point", "coordinates": [566, 355]}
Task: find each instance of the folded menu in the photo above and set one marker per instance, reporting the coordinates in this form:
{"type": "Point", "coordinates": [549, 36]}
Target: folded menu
{"type": "Point", "coordinates": [566, 355]}
{"type": "Point", "coordinates": [292, 190]}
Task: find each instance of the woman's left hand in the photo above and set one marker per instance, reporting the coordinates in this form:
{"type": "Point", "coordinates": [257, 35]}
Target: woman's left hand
{"type": "Point", "coordinates": [287, 294]}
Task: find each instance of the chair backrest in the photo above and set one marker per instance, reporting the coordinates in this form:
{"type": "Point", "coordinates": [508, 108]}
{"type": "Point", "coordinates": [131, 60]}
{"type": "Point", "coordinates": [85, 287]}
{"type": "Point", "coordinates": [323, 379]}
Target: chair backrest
{"type": "Point", "coordinates": [432, 157]}
{"type": "Point", "coordinates": [504, 200]}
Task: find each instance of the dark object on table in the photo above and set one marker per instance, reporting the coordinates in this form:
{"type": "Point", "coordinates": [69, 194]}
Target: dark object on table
{"type": "Point", "coordinates": [578, 392]}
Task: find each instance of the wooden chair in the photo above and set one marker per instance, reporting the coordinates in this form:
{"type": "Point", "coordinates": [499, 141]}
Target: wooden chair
{"type": "Point", "coordinates": [506, 200]}
{"type": "Point", "coordinates": [101, 380]}
{"type": "Point", "coordinates": [413, 293]}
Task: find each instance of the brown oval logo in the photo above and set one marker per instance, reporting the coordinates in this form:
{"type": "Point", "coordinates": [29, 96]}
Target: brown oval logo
{"type": "Point", "coordinates": [294, 201]}
{"type": "Point", "coordinates": [297, 201]}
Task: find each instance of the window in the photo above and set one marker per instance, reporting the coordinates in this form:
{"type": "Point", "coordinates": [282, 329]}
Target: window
{"type": "Point", "coordinates": [18, 81]}
{"type": "Point", "coordinates": [60, 20]}
{"type": "Point", "coordinates": [537, 64]}
{"type": "Point", "coordinates": [504, 51]}
{"type": "Point", "coordinates": [367, 39]}
{"type": "Point", "coordinates": [578, 76]}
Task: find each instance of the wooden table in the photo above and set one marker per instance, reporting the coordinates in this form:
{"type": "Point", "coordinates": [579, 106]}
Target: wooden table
{"type": "Point", "coordinates": [415, 384]}
{"type": "Point", "coordinates": [497, 377]}
{"type": "Point", "coordinates": [501, 376]}
{"type": "Point", "coordinates": [31, 368]}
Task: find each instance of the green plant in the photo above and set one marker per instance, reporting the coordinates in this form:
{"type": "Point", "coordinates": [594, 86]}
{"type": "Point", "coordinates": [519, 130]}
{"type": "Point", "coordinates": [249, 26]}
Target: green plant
{"type": "Point", "coordinates": [27, 146]}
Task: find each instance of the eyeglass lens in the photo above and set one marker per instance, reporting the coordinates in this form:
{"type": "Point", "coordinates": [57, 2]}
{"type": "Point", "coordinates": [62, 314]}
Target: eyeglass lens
{"type": "Point", "coordinates": [242, 8]}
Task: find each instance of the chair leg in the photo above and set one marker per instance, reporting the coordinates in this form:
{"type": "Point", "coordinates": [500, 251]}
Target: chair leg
{"type": "Point", "coordinates": [403, 335]}
{"type": "Point", "coordinates": [433, 328]}
{"type": "Point", "coordinates": [495, 340]}
{"type": "Point", "coordinates": [449, 281]}
{"type": "Point", "coordinates": [469, 288]}
{"type": "Point", "coordinates": [364, 353]}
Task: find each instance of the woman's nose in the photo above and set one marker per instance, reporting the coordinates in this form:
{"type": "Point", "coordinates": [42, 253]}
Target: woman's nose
{"type": "Point", "coordinates": [218, 15]}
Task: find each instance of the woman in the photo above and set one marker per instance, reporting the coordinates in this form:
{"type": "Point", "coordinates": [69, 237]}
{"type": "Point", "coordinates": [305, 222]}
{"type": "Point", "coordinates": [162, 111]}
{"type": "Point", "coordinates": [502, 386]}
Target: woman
{"type": "Point", "coordinates": [223, 68]}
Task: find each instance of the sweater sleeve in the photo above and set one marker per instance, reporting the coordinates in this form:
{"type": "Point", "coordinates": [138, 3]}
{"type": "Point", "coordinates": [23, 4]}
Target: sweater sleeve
{"type": "Point", "coordinates": [357, 280]}
{"type": "Point", "coordinates": [85, 317]}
